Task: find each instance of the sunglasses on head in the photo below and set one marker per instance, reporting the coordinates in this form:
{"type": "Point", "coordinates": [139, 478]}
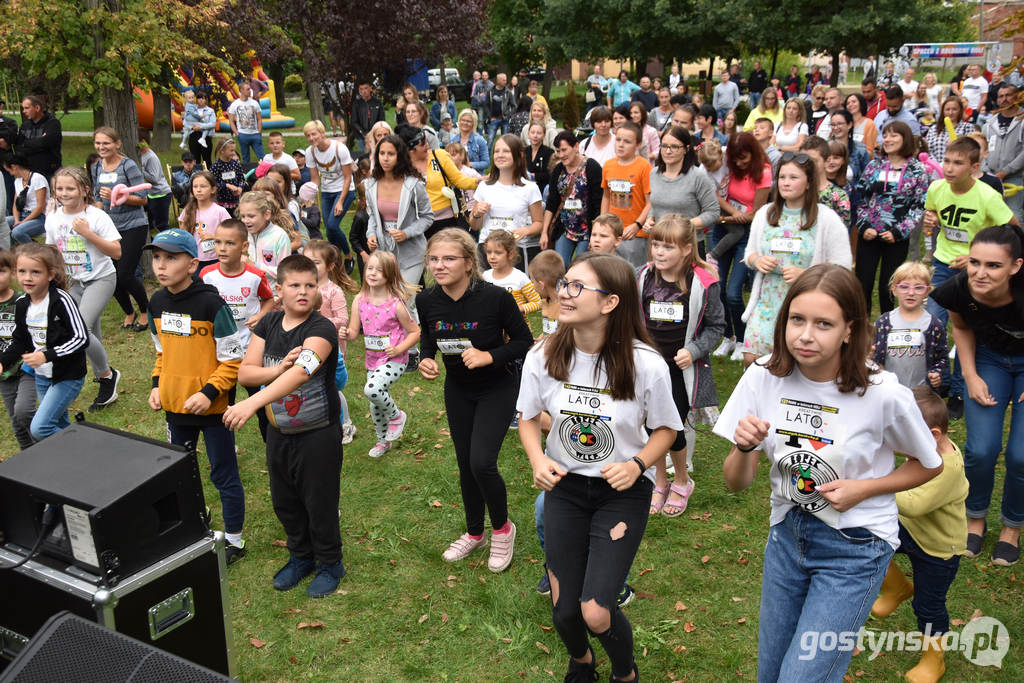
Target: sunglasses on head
{"type": "Point", "coordinates": [798, 157]}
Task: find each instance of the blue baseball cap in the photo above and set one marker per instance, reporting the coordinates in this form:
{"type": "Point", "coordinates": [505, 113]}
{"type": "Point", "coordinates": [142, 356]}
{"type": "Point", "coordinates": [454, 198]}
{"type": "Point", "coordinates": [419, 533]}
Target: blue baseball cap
{"type": "Point", "coordinates": [174, 241]}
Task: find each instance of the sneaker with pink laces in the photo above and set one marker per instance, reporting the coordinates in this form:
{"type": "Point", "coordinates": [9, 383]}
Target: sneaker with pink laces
{"type": "Point", "coordinates": [462, 547]}
{"type": "Point", "coordinates": [502, 546]}
{"type": "Point", "coordinates": [396, 427]}
{"type": "Point", "coordinates": [380, 449]}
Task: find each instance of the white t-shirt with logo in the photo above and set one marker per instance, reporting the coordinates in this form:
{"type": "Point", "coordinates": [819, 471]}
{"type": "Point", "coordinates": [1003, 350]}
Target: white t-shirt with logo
{"type": "Point", "coordinates": [329, 164]}
{"type": "Point", "coordinates": [247, 116]}
{"type": "Point", "coordinates": [243, 293]}
{"type": "Point", "coordinates": [589, 429]}
{"type": "Point", "coordinates": [36, 320]}
{"type": "Point", "coordinates": [974, 89]}
{"type": "Point", "coordinates": [82, 260]}
{"type": "Point", "coordinates": [818, 434]}
{"type": "Point", "coordinates": [510, 208]}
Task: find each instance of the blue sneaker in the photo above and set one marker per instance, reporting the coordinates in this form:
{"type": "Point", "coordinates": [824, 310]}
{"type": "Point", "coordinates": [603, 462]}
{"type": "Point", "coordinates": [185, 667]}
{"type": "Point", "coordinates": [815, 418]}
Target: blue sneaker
{"type": "Point", "coordinates": [326, 580]}
{"type": "Point", "coordinates": [296, 570]}
{"type": "Point", "coordinates": [544, 587]}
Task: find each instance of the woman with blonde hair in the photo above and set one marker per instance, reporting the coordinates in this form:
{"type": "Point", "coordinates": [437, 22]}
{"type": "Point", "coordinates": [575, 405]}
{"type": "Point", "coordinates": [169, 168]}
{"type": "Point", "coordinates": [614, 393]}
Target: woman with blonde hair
{"type": "Point", "coordinates": [768, 108]}
{"type": "Point", "coordinates": [539, 113]}
{"type": "Point", "coordinates": [474, 143]}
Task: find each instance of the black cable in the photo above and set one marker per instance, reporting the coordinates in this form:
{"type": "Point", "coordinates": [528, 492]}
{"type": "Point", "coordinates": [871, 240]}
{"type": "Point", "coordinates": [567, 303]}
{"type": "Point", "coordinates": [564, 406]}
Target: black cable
{"type": "Point", "coordinates": [49, 517]}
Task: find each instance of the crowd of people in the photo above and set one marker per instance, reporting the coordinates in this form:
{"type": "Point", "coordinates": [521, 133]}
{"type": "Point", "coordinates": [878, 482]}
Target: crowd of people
{"type": "Point", "coordinates": [670, 238]}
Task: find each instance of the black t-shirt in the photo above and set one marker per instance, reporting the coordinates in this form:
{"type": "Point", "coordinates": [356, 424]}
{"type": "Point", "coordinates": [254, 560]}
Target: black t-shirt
{"type": "Point", "coordinates": [315, 404]}
{"type": "Point", "coordinates": [666, 312]}
{"type": "Point", "coordinates": [1000, 329]}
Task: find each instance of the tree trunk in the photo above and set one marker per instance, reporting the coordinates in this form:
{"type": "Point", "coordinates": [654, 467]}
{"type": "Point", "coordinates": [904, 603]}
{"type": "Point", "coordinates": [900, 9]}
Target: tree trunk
{"type": "Point", "coordinates": [775, 59]}
{"type": "Point", "coordinates": [97, 117]}
{"type": "Point", "coordinates": [444, 78]}
{"type": "Point", "coordinates": [549, 79]}
{"type": "Point", "coordinates": [119, 114]}
{"type": "Point", "coordinates": [163, 125]}
{"type": "Point", "coordinates": [316, 105]}
{"type": "Point", "coordinates": [276, 73]}
{"type": "Point", "coordinates": [834, 80]}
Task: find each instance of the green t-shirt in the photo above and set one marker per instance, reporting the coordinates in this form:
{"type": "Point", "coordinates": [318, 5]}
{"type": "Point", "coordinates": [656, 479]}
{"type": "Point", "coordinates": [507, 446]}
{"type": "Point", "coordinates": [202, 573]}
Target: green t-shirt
{"type": "Point", "coordinates": [6, 332]}
{"type": "Point", "coordinates": [962, 216]}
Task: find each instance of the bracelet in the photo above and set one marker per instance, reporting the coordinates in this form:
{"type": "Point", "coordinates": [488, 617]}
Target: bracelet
{"type": "Point", "coordinates": [640, 464]}
{"type": "Point", "coordinates": [747, 450]}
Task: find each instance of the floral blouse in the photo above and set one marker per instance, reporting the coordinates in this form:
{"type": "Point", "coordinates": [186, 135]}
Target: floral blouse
{"type": "Point", "coordinates": [892, 199]}
{"type": "Point", "coordinates": [835, 198]}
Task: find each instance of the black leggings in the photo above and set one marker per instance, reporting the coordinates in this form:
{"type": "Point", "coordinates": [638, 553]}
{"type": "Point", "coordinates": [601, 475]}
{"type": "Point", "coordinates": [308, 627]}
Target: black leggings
{"type": "Point", "coordinates": [886, 258]}
{"type": "Point", "coordinates": [128, 285]}
{"type": "Point", "coordinates": [200, 152]}
{"type": "Point", "coordinates": [591, 535]}
{"type": "Point", "coordinates": [478, 421]}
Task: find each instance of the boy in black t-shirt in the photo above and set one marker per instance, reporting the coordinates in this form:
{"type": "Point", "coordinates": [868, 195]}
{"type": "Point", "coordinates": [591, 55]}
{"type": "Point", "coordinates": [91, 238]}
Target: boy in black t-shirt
{"type": "Point", "coordinates": [294, 353]}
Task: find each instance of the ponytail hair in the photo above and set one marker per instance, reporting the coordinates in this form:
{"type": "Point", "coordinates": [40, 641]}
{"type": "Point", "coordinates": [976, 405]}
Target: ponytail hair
{"type": "Point", "coordinates": [1010, 237]}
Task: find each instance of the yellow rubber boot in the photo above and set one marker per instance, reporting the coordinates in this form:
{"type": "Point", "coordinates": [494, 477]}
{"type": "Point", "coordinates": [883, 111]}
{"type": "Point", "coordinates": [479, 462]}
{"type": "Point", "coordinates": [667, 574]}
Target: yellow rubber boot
{"type": "Point", "coordinates": [932, 665]}
{"type": "Point", "coordinates": [895, 589]}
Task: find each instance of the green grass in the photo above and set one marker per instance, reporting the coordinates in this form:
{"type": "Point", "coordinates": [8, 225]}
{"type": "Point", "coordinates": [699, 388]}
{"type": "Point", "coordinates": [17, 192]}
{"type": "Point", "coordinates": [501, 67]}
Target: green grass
{"type": "Point", "coordinates": [403, 614]}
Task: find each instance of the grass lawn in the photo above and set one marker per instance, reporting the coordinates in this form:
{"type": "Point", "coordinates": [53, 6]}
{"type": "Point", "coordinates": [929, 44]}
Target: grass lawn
{"type": "Point", "coordinates": [403, 614]}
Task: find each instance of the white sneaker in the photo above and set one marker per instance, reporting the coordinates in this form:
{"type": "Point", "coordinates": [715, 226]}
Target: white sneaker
{"type": "Point", "coordinates": [737, 353]}
{"type": "Point", "coordinates": [952, 352]}
{"type": "Point", "coordinates": [202, 141]}
{"type": "Point", "coordinates": [462, 547]}
{"type": "Point", "coordinates": [183, 145]}
{"type": "Point", "coordinates": [725, 348]}
{"type": "Point", "coordinates": [348, 433]}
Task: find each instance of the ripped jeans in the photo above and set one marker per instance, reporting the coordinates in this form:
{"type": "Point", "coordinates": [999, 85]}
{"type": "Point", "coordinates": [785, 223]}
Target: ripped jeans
{"type": "Point", "coordinates": [592, 533]}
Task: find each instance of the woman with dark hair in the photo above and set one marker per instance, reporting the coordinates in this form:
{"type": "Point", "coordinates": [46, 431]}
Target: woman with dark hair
{"type": "Point", "coordinates": [864, 130]}
{"type": "Point", "coordinates": [986, 306]}
{"type": "Point", "coordinates": [397, 207]}
{"type": "Point", "coordinates": [574, 199]}
{"type": "Point", "coordinates": [789, 235]}
{"type": "Point", "coordinates": [842, 131]}
{"type": "Point", "coordinates": [937, 137]}
{"type": "Point", "coordinates": [892, 192]}
{"type": "Point", "coordinates": [416, 116]}
{"type": "Point", "coordinates": [651, 141]}
{"type": "Point", "coordinates": [750, 180]}
{"type": "Point", "coordinates": [441, 174]}
{"type": "Point", "coordinates": [506, 201]}
{"type": "Point", "coordinates": [408, 96]}
{"type": "Point", "coordinates": [522, 115]}
{"type": "Point", "coordinates": [601, 145]}
{"type": "Point", "coordinates": [679, 185]}
{"type": "Point", "coordinates": [442, 105]}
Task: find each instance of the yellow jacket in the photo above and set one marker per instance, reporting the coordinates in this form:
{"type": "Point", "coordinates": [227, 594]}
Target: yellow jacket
{"type": "Point", "coordinates": [934, 514]}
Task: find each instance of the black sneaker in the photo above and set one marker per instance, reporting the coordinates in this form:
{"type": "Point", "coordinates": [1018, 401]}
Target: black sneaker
{"type": "Point", "coordinates": [108, 391]}
{"type": "Point", "coordinates": [233, 553]}
{"type": "Point", "coordinates": [1005, 554]}
{"type": "Point", "coordinates": [626, 595]}
{"type": "Point", "coordinates": [955, 407]}
{"type": "Point", "coordinates": [414, 361]}
{"type": "Point", "coordinates": [582, 673]}
{"type": "Point", "coordinates": [350, 265]}
{"type": "Point", "coordinates": [544, 587]}
{"type": "Point", "coordinates": [974, 543]}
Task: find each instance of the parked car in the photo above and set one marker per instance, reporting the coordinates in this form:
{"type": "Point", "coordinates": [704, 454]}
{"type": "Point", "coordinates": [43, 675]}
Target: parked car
{"type": "Point", "coordinates": [434, 76]}
{"type": "Point", "coordinates": [458, 89]}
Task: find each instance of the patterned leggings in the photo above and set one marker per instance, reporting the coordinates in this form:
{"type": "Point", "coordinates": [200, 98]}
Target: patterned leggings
{"type": "Point", "coordinates": [382, 406]}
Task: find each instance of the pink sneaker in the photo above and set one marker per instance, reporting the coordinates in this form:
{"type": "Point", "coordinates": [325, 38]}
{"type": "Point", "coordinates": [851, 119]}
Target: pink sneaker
{"type": "Point", "coordinates": [502, 546]}
{"type": "Point", "coordinates": [462, 547]}
{"type": "Point", "coordinates": [396, 427]}
{"type": "Point", "coordinates": [380, 449]}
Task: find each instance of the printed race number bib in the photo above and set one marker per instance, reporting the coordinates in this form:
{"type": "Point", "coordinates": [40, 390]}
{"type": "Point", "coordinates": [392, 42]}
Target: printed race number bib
{"type": "Point", "coordinates": [667, 311]}
{"type": "Point", "coordinates": [7, 329]}
{"type": "Point", "coordinates": [453, 347]}
{"type": "Point", "coordinates": [207, 246]}
{"type": "Point", "coordinates": [227, 175]}
{"type": "Point", "coordinates": [585, 423]}
{"type": "Point", "coordinates": [620, 186]}
{"type": "Point", "coordinates": [905, 339]}
{"type": "Point", "coordinates": [176, 323]}
{"type": "Point", "coordinates": [954, 235]}
{"type": "Point", "coordinates": [502, 223]}
{"type": "Point", "coordinates": [376, 343]}
{"type": "Point", "coordinates": [573, 204]}
{"type": "Point", "coordinates": [76, 258]}
{"type": "Point", "coordinates": [38, 335]}
{"type": "Point", "coordinates": [548, 326]}
{"type": "Point", "coordinates": [786, 245]}
{"type": "Point", "coordinates": [107, 177]}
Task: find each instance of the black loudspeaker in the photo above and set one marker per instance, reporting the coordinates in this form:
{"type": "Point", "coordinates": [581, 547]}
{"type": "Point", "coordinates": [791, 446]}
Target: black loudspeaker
{"type": "Point", "coordinates": [70, 649]}
{"type": "Point", "coordinates": [122, 502]}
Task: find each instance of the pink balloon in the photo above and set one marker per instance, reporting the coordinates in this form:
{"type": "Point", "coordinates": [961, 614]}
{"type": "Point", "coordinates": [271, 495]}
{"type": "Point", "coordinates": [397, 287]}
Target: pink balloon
{"type": "Point", "coordinates": [119, 193]}
{"type": "Point", "coordinates": [930, 163]}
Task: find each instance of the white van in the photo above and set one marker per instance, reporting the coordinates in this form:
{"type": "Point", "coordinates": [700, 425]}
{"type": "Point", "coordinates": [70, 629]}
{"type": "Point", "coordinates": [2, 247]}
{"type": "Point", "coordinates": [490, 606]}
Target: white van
{"type": "Point", "coordinates": [434, 76]}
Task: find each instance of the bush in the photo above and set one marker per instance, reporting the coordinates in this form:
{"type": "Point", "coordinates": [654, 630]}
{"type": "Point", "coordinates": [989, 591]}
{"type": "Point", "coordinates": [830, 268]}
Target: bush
{"type": "Point", "coordinates": [293, 83]}
{"type": "Point", "coordinates": [571, 107]}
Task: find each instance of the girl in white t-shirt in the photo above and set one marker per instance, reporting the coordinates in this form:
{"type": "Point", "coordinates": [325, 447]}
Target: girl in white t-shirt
{"type": "Point", "coordinates": [828, 424]}
{"type": "Point", "coordinates": [330, 166]}
{"type": "Point", "coordinates": [202, 215]}
{"type": "Point", "coordinates": [507, 201]}
{"type": "Point", "coordinates": [791, 131]}
{"type": "Point", "coordinates": [88, 241]}
{"type": "Point", "coordinates": [500, 250]}
{"type": "Point", "coordinates": [602, 382]}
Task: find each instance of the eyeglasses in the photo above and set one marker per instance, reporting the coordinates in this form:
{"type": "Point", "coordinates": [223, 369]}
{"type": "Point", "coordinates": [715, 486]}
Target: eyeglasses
{"type": "Point", "coordinates": [798, 157]}
{"type": "Point", "coordinates": [444, 260]}
{"type": "Point", "coordinates": [674, 148]}
{"type": "Point", "coordinates": [916, 289]}
{"type": "Point", "coordinates": [576, 288]}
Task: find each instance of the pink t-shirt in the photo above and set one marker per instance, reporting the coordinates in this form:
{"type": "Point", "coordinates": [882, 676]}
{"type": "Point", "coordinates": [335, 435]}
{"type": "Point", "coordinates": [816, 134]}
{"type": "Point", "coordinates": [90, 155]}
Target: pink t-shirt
{"type": "Point", "coordinates": [381, 329]}
{"type": "Point", "coordinates": [335, 309]}
{"type": "Point", "coordinates": [206, 221]}
{"type": "Point", "coordinates": [742, 191]}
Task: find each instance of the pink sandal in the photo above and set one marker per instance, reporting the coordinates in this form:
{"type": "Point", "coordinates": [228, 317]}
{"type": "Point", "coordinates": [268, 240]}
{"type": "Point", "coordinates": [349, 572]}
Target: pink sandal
{"type": "Point", "coordinates": [676, 509]}
{"type": "Point", "coordinates": [656, 506]}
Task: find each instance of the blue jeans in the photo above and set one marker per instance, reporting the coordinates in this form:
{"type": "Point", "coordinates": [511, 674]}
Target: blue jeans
{"type": "Point", "coordinates": [722, 113]}
{"type": "Point", "coordinates": [733, 272]}
{"type": "Point", "coordinates": [247, 141]}
{"type": "Point", "coordinates": [954, 380]}
{"type": "Point", "coordinates": [332, 223]}
{"type": "Point", "coordinates": [932, 578]}
{"type": "Point", "coordinates": [817, 589]}
{"type": "Point", "coordinates": [755, 99]}
{"type": "Point", "coordinates": [493, 127]}
{"type": "Point", "coordinates": [1004, 376]}
{"type": "Point", "coordinates": [52, 414]}
{"type": "Point", "coordinates": [566, 247]}
{"type": "Point", "coordinates": [220, 451]}
{"type": "Point", "coordinates": [26, 230]}
{"type": "Point", "coordinates": [538, 518]}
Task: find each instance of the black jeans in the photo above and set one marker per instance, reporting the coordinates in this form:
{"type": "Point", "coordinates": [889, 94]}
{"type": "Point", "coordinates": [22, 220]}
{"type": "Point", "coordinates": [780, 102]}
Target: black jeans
{"type": "Point", "coordinates": [886, 258]}
{"type": "Point", "coordinates": [591, 535]}
{"type": "Point", "coordinates": [305, 488]}
{"type": "Point", "coordinates": [200, 152]}
{"type": "Point", "coordinates": [478, 421]}
{"type": "Point", "coordinates": [158, 211]}
{"type": "Point", "coordinates": [932, 578]}
{"type": "Point", "coordinates": [129, 286]}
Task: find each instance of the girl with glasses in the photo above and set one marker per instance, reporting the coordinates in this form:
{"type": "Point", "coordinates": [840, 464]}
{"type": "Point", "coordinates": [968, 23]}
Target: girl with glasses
{"type": "Point", "coordinates": [481, 334]}
{"type": "Point", "coordinates": [601, 380]}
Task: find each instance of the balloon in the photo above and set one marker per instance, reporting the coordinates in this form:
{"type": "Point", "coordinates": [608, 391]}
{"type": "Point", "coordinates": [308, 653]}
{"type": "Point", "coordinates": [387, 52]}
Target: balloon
{"type": "Point", "coordinates": [119, 193]}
